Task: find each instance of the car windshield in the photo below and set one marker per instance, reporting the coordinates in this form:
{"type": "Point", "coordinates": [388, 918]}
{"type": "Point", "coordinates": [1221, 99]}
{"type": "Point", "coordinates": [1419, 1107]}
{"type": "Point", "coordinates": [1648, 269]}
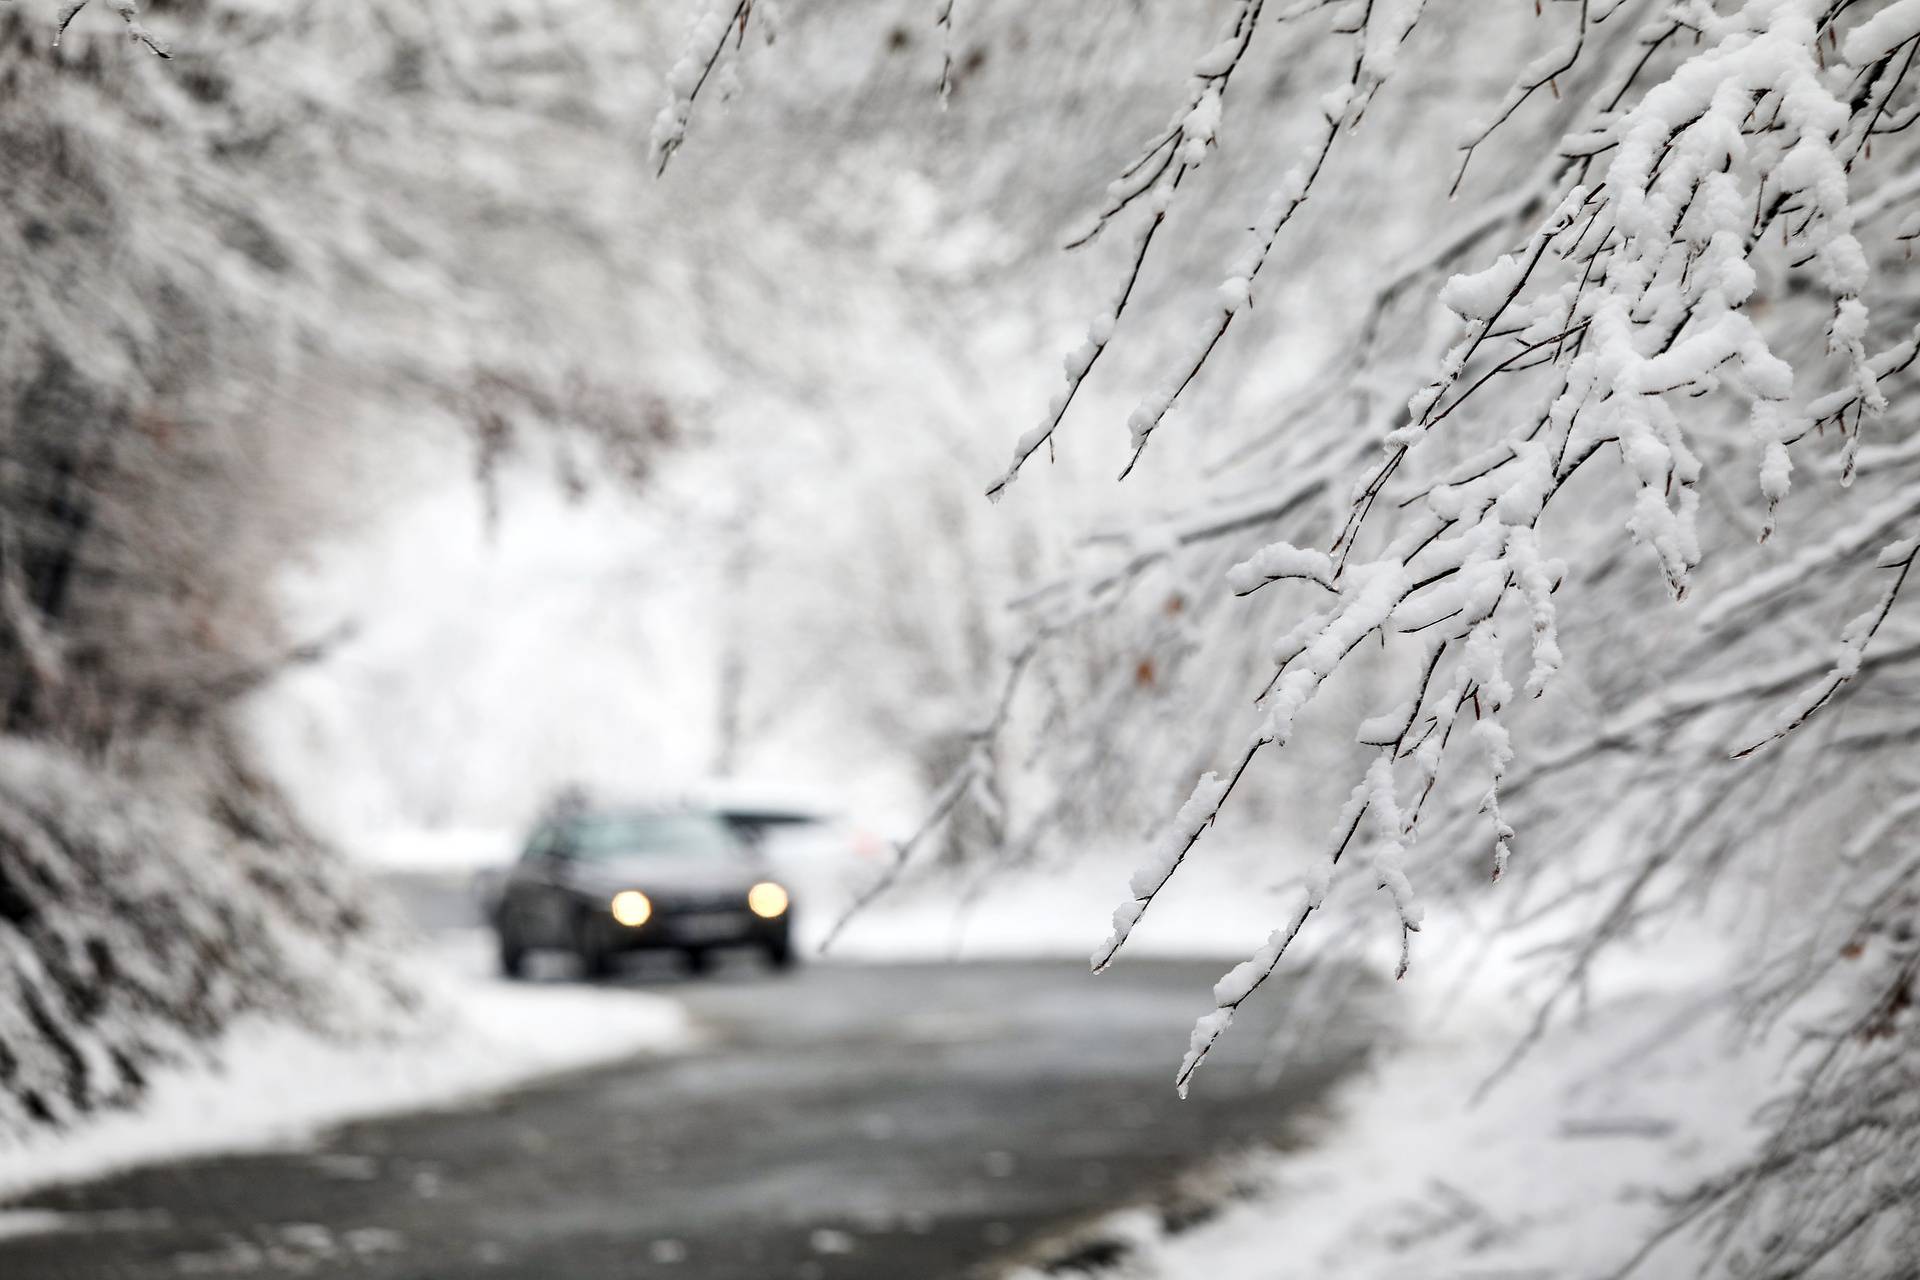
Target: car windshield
{"type": "Point", "coordinates": [610, 835]}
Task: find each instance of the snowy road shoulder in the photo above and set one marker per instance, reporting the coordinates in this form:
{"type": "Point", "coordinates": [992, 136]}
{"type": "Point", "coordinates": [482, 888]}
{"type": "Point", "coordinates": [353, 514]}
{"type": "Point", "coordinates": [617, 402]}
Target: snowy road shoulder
{"type": "Point", "coordinates": [277, 1086]}
{"type": "Point", "coordinates": [1560, 1169]}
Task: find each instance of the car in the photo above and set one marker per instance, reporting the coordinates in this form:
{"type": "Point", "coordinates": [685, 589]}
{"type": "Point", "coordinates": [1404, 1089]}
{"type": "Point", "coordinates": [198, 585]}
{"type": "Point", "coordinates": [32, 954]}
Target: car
{"type": "Point", "coordinates": [600, 882]}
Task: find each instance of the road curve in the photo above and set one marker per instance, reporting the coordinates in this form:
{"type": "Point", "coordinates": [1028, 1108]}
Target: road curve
{"type": "Point", "coordinates": [844, 1122]}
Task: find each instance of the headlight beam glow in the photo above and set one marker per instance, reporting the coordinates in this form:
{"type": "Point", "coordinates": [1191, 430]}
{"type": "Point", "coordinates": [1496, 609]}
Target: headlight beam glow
{"type": "Point", "coordinates": [767, 900]}
{"type": "Point", "coordinates": [631, 908]}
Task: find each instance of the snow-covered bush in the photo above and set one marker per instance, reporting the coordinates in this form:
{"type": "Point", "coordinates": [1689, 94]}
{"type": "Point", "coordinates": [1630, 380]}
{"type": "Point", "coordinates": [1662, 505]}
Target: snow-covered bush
{"type": "Point", "coordinates": [143, 909]}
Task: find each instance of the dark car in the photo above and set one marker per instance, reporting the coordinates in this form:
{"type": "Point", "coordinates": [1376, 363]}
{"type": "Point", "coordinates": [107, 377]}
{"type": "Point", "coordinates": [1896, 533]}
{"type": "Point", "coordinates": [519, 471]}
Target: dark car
{"type": "Point", "coordinates": [603, 882]}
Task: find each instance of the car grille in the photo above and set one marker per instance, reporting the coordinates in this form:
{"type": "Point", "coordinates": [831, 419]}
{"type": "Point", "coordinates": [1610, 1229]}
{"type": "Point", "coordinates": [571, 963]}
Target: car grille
{"type": "Point", "coordinates": [704, 902]}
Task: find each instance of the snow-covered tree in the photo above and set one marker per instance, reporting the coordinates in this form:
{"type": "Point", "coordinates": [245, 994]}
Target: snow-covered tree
{"type": "Point", "coordinates": [153, 885]}
{"type": "Point", "coordinates": [228, 278]}
{"type": "Point", "coordinates": [1514, 420]}
{"type": "Point", "coordinates": [1595, 327]}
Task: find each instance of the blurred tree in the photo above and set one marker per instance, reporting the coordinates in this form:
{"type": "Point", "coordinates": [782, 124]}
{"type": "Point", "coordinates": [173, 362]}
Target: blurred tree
{"type": "Point", "coordinates": [212, 316]}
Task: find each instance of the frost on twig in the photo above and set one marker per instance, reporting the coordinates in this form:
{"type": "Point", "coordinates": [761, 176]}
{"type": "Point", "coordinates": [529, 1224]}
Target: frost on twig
{"type": "Point", "coordinates": [1854, 638]}
{"type": "Point", "coordinates": [943, 22]}
{"type": "Point", "coordinates": [720, 22]}
{"type": "Point", "coordinates": [971, 780]}
{"type": "Point", "coordinates": [129, 13]}
{"type": "Point", "coordinates": [952, 792]}
{"type": "Point", "coordinates": [1152, 180]}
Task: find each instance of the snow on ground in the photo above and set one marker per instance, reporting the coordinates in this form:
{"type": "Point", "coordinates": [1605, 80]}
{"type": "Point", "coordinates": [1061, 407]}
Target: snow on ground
{"type": "Point", "coordinates": [1555, 1174]}
{"type": "Point", "coordinates": [1217, 906]}
{"type": "Point", "coordinates": [277, 1086]}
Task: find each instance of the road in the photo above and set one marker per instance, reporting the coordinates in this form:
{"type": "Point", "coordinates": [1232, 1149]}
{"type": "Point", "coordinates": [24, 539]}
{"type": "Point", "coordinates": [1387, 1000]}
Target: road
{"type": "Point", "coordinates": [843, 1122]}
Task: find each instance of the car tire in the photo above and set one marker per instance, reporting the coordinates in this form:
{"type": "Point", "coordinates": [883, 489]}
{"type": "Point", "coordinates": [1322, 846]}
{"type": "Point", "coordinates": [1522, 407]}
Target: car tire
{"type": "Point", "coordinates": [596, 957]}
{"type": "Point", "coordinates": [699, 960]}
{"type": "Point", "coordinates": [595, 963]}
{"type": "Point", "coordinates": [513, 957]}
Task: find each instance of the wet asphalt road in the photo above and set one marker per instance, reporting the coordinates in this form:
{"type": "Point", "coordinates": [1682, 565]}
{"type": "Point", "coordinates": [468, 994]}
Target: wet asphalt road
{"type": "Point", "coordinates": [843, 1122]}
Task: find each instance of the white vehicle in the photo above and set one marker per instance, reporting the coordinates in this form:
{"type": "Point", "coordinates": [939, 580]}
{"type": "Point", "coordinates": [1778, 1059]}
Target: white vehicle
{"type": "Point", "coordinates": [800, 836]}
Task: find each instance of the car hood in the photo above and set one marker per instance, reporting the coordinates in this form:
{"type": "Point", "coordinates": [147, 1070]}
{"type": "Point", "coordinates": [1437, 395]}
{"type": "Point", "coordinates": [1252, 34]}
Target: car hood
{"type": "Point", "coordinates": [667, 876]}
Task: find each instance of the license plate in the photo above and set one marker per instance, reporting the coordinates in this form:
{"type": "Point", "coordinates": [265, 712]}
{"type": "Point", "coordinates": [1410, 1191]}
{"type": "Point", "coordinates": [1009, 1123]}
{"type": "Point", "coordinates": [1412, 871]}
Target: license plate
{"type": "Point", "coordinates": [705, 928]}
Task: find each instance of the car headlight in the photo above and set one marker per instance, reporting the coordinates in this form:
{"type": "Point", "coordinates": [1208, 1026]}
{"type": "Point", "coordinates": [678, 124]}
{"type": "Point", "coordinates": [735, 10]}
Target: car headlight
{"type": "Point", "coordinates": [631, 908]}
{"type": "Point", "coordinates": [767, 900]}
